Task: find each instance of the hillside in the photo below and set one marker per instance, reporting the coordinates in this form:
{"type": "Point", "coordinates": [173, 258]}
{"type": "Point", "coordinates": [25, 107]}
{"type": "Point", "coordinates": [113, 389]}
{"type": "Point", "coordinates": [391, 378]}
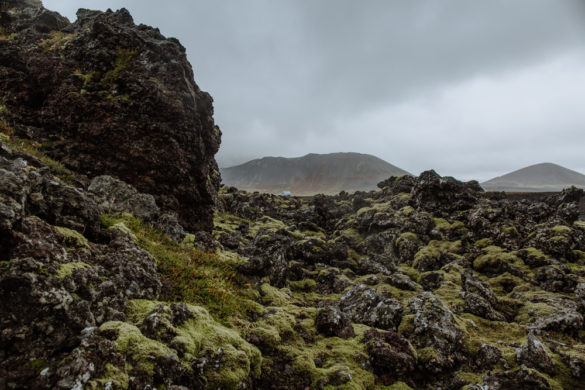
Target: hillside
{"type": "Point", "coordinates": [545, 177]}
{"type": "Point", "coordinates": [311, 174]}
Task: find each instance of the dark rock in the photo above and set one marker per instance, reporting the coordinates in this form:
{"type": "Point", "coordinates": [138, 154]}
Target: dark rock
{"type": "Point", "coordinates": [535, 355]}
{"type": "Point", "coordinates": [525, 378]}
{"type": "Point", "coordinates": [436, 335]}
{"type": "Point", "coordinates": [431, 280]}
{"type": "Point", "coordinates": [402, 282]}
{"type": "Point", "coordinates": [365, 305]}
{"type": "Point", "coordinates": [443, 195]}
{"type": "Point", "coordinates": [331, 321]}
{"type": "Point", "coordinates": [115, 196]}
{"type": "Point", "coordinates": [488, 356]}
{"type": "Point", "coordinates": [117, 99]}
{"type": "Point", "coordinates": [391, 356]}
{"type": "Point", "coordinates": [479, 298]}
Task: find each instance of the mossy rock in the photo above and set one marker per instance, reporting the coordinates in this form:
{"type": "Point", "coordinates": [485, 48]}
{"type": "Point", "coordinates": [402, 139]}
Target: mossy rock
{"type": "Point", "coordinates": [72, 238]}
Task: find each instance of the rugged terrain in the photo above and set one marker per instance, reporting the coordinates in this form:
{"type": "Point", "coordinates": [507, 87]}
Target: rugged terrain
{"type": "Point", "coordinates": [543, 177]}
{"type": "Point", "coordinates": [311, 174]}
{"type": "Point", "coordinates": [425, 283]}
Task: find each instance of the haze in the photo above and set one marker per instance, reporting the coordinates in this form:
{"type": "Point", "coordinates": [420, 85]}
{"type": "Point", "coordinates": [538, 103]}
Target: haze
{"type": "Point", "coordinates": [470, 89]}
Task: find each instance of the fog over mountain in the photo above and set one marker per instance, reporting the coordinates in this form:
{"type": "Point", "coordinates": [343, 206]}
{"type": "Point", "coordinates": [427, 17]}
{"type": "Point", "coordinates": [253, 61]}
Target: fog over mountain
{"type": "Point", "coordinates": [491, 85]}
{"type": "Point", "coordinates": [311, 174]}
{"type": "Point", "coordinates": [535, 178]}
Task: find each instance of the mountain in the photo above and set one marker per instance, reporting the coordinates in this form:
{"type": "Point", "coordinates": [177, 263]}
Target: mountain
{"type": "Point", "coordinates": [536, 178]}
{"type": "Point", "coordinates": [311, 174]}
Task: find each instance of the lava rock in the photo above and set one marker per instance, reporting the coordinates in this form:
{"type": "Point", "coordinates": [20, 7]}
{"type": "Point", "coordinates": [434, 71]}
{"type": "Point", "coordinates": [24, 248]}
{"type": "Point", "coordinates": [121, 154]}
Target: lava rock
{"type": "Point", "coordinates": [331, 321]}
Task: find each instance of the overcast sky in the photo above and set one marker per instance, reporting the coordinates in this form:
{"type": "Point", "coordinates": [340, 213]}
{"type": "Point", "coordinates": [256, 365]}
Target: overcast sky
{"type": "Point", "coordinates": [472, 89]}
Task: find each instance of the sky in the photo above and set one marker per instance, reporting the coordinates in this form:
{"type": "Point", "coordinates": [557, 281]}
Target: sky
{"type": "Point", "coordinates": [472, 89]}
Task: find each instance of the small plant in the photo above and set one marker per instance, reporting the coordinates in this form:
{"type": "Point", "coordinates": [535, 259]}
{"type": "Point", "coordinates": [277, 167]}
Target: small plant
{"type": "Point", "coordinates": [123, 58]}
{"type": "Point", "coordinates": [189, 274]}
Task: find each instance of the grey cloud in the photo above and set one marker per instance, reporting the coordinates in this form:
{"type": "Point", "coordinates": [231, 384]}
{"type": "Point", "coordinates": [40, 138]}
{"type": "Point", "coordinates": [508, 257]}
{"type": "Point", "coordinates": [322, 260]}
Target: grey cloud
{"type": "Point", "coordinates": [293, 77]}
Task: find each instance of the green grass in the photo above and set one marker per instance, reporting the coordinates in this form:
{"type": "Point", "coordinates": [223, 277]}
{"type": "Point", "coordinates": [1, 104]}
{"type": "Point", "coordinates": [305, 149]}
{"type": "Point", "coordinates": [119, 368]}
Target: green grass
{"type": "Point", "coordinates": [35, 149]}
{"type": "Point", "coordinates": [189, 274]}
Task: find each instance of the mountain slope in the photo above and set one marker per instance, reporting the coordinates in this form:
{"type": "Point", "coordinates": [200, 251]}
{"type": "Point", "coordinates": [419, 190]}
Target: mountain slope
{"type": "Point", "coordinates": [539, 177]}
{"type": "Point", "coordinates": [311, 174]}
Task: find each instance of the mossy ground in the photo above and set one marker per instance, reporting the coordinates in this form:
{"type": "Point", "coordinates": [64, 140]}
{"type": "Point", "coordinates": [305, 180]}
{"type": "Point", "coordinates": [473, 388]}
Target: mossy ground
{"type": "Point", "coordinates": [190, 274]}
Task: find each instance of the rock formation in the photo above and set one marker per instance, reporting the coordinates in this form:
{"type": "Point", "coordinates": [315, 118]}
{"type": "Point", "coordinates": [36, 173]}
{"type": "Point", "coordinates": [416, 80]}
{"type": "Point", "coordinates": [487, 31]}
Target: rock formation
{"type": "Point", "coordinates": [105, 96]}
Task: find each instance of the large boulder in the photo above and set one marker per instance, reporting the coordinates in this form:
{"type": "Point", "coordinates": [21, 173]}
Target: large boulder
{"type": "Point", "coordinates": [117, 99]}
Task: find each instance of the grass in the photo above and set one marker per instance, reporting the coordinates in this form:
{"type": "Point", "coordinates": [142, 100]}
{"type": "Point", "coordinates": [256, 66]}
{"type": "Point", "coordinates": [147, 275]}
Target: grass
{"type": "Point", "coordinates": [35, 149]}
{"type": "Point", "coordinates": [189, 274]}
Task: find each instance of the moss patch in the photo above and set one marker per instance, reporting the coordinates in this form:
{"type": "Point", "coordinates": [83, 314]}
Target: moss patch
{"type": "Point", "coordinates": [190, 274]}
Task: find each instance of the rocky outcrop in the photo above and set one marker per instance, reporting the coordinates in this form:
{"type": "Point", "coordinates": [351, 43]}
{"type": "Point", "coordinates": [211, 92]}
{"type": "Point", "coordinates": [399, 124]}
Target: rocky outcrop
{"type": "Point", "coordinates": [105, 96]}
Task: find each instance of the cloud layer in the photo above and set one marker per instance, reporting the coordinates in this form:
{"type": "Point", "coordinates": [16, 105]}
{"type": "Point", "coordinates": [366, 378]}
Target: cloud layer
{"type": "Point", "coordinates": [471, 89]}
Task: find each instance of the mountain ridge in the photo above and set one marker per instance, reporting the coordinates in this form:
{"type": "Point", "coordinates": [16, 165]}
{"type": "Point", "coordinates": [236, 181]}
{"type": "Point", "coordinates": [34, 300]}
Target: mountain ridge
{"type": "Point", "coordinates": [311, 174]}
{"type": "Point", "coordinates": [542, 177]}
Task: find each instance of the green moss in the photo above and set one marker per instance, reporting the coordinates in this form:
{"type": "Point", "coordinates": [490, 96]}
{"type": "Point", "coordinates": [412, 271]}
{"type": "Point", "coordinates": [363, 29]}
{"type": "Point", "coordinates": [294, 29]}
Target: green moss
{"type": "Point", "coordinates": [202, 336]}
{"type": "Point", "coordinates": [190, 274]}
{"type": "Point", "coordinates": [443, 224]}
{"type": "Point", "coordinates": [67, 269]}
{"type": "Point", "coordinates": [36, 149]}
{"type": "Point", "coordinates": [72, 238]}
{"type": "Point", "coordinates": [399, 386]}
{"type": "Point", "coordinates": [434, 250]}
{"type": "Point", "coordinates": [352, 233]}
{"type": "Point", "coordinates": [303, 285]}
{"type": "Point", "coordinates": [510, 231]}
{"type": "Point", "coordinates": [86, 77]}
{"type": "Point", "coordinates": [131, 342]}
{"type": "Point", "coordinates": [478, 331]}
{"type": "Point", "coordinates": [579, 224]}
{"type": "Point", "coordinates": [426, 355]}
{"type": "Point", "coordinates": [484, 242]}
{"type": "Point", "coordinates": [407, 210]}
{"type": "Point", "coordinates": [123, 59]}
{"type": "Point", "coordinates": [406, 326]}
{"type": "Point", "coordinates": [532, 311]}
{"type": "Point", "coordinates": [579, 254]}
{"type": "Point", "coordinates": [113, 375]}
{"type": "Point", "coordinates": [339, 357]}
{"type": "Point", "coordinates": [469, 377]}
{"type": "Point", "coordinates": [273, 296]}
{"type": "Point", "coordinates": [561, 229]}
{"type": "Point", "coordinates": [57, 41]}
{"type": "Point", "coordinates": [495, 258]}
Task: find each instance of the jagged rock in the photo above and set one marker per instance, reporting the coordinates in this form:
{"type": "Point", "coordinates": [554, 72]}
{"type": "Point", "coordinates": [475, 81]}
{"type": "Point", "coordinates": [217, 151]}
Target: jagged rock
{"type": "Point", "coordinates": [24, 189]}
{"type": "Point", "coordinates": [117, 99]}
{"type": "Point", "coordinates": [115, 196]}
{"type": "Point", "coordinates": [431, 280]}
{"type": "Point", "coordinates": [363, 304]}
{"type": "Point", "coordinates": [331, 321]}
{"type": "Point", "coordinates": [556, 279]}
{"type": "Point", "coordinates": [402, 282]}
{"type": "Point", "coordinates": [580, 297]}
{"type": "Point", "coordinates": [535, 355]}
{"type": "Point", "coordinates": [488, 356]}
{"type": "Point", "coordinates": [479, 298]}
{"type": "Point", "coordinates": [268, 257]}
{"type": "Point", "coordinates": [368, 266]}
{"type": "Point", "coordinates": [524, 378]}
{"type": "Point", "coordinates": [391, 356]}
{"type": "Point", "coordinates": [436, 335]}
{"type": "Point", "coordinates": [443, 195]}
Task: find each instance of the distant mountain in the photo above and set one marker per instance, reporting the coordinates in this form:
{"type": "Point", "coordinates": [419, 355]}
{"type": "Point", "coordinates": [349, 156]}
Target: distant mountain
{"type": "Point", "coordinates": [536, 178]}
{"type": "Point", "coordinates": [311, 174]}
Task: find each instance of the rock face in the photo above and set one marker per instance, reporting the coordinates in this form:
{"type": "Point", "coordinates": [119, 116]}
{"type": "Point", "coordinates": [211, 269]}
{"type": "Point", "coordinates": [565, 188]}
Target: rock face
{"type": "Point", "coordinates": [105, 96]}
